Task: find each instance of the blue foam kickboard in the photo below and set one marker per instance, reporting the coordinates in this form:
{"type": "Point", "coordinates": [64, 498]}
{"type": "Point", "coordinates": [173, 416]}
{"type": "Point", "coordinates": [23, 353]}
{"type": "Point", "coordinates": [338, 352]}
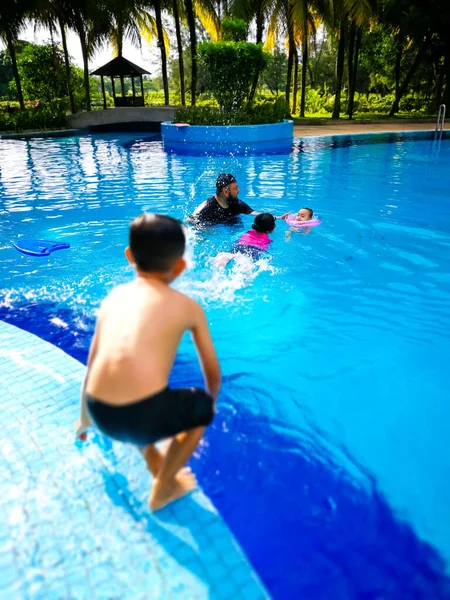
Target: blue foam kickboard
{"type": "Point", "coordinates": [38, 247]}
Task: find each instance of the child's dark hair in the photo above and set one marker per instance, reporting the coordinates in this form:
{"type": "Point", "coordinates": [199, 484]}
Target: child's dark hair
{"type": "Point", "coordinates": [156, 242]}
{"type": "Point", "coordinates": [264, 223]}
{"type": "Point", "coordinates": [311, 212]}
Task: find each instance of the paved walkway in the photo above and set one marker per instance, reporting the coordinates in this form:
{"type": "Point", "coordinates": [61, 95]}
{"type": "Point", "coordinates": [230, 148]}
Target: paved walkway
{"type": "Point", "coordinates": [355, 127]}
{"type": "Point", "coordinates": [74, 522]}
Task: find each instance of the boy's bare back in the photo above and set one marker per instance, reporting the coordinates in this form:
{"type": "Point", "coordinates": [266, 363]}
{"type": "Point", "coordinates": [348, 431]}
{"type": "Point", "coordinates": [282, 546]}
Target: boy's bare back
{"type": "Point", "coordinates": [139, 328]}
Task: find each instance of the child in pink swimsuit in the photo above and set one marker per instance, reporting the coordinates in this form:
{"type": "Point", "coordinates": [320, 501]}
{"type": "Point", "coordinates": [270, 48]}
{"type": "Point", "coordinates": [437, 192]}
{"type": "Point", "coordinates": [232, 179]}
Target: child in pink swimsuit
{"type": "Point", "coordinates": [254, 243]}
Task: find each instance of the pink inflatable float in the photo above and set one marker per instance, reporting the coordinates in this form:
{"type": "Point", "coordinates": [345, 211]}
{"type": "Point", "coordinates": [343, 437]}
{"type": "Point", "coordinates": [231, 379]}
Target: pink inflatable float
{"type": "Point", "coordinates": [290, 220]}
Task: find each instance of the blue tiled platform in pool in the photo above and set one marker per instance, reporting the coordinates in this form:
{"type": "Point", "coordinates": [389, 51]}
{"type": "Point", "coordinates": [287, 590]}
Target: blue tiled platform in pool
{"type": "Point", "coordinates": [74, 521]}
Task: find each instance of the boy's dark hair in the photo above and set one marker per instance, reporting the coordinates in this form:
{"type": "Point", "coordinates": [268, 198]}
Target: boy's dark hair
{"type": "Point", "coordinates": [311, 212]}
{"type": "Point", "coordinates": [156, 242]}
{"type": "Point", "coordinates": [264, 223]}
{"type": "Point", "coordinates": [224, 180]}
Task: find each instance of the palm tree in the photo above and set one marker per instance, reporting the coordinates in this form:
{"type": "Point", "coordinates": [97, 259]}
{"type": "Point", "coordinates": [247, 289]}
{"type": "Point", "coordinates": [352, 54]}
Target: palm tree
{"type": "Point", "coordinates": [306, 15]}
{"type": "Point", "coordinates": [299, 19]}
{"type": "Point", "coordinates": [282, 16]}
{"type": "Point", "coordinates": [348, 13]}
{"type": "Point", "coordinates": [340, 67]}
{"type": "Point", "coordinates": [193, 39]}
{"type": "Point", "coordinates": [260, 10]}
{"type": "Point", "coordinates": [89, 21]}
{"type": "Point", "coordinates": [176, 9]}
{"type": "Point", "coordinates": [12, 19]}
{"type": "Point", "coordinates": [162, 46]}
{"type": "Point", "coordinates": [131, 20]}
{"type": "Point", "coordinates": [50, 13]}
{"type": "Point", "coordinates": [209, 14]}
{"type": "Point", "coordinates": [359, 21]}
{"type": "Point", "coordinates": [354, 45]}
{"type": "Point", "coordinates": [127, 20]}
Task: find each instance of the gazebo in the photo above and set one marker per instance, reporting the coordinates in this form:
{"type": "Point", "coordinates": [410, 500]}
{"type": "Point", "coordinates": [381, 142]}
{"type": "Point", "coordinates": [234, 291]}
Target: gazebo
{"type": "Point", "coordinates": [121, 67]}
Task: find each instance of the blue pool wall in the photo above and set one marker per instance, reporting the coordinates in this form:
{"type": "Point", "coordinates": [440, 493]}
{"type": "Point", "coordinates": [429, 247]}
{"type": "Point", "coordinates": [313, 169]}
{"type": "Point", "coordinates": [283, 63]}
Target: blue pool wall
{"type": "Point", "coordinates": [273, 138]}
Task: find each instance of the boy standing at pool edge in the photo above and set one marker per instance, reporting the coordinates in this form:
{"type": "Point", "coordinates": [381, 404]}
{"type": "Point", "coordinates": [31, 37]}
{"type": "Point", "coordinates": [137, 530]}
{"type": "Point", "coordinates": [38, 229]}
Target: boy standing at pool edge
{"type": "Point", "coordinates": [138, 331]}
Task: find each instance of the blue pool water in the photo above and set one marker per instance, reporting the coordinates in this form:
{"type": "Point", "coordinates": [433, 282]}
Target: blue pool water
{"type": "Point", "coordinates": [330, 455]}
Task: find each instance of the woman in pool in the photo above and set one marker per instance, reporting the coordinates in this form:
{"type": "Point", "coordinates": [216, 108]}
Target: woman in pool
{"type": "Point", "coordinates": [254, 243]}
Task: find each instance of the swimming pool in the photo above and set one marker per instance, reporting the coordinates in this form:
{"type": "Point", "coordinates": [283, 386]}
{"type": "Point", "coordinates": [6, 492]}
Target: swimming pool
{"type": "Point", "coordinates": [329, 458]}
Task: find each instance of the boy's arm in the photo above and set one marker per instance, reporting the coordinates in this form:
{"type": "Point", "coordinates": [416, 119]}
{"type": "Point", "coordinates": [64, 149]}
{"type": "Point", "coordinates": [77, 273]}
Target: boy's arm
{"type": "Point", "coordinates": [206, 351]}
{"type": "Point", "coordinates": [85, 421]}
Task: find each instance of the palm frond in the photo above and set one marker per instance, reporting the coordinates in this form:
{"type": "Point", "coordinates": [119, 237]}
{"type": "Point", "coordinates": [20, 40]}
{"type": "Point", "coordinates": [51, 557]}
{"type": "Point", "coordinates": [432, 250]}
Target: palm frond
{"type": "Point", "coordinates": [209, 19]}
{"type": "Point", "coordinates": [272, 33]}
{"type": "Point", "coordinates": [147, 26]}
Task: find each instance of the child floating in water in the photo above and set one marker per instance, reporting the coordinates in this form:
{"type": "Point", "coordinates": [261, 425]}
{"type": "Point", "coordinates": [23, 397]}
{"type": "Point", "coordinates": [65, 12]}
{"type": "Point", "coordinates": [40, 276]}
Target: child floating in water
{"type": "Point", "coordinates": [304, 214]}
{"type": "Point", "coordinates": [139, 328]}
{"type": "Point", "coordinates": [254, 243]}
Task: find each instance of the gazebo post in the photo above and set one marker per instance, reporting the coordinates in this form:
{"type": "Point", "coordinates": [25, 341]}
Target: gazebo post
{"type": "Point", "coordinates": [113, 89]}
{"type": "Point", "coordinates": [142, 90]}
{"type": "Point", "coordinates": [122, 86]}
{"type": "Point", "coordinates": [104, 93]}
{"type": "Point", "coordinates": [134, 91]}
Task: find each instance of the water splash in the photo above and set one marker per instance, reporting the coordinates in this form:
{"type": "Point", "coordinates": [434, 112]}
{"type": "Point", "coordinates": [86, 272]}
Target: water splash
{"type": "Point", "coordinates": [222, 285]}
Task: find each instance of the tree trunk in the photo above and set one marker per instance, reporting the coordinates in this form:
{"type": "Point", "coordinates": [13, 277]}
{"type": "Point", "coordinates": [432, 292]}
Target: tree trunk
{"type": "Point", "coordinates": [311, 75]}
{"type": "Point", "coordinates": [350, 67]}
{"type": "Point", "coordinates": [259, 35]}
{"type": "Point", "coordinates": [351, 99]}
{"type": "Point", "coordinates": [397, 69]}
{"type": "Point", "coordinates": [294, 92]}
{"type": "Point", "coordinates": [304, 60]}
{"type": "Point", "coordinates": [193, 37]}
{"type": "Point", "coordinates": [67, 65]}
{"type": "Point", "coordinates": [289, 67]}
{"type": "Point", "coordinates": [176, 17]}
{"type": "Point", "coordinates": [84, 52]}
{"type": "Point", "coordinates": [259, 27]}
{"type": "Point", "coordinates": [404, 86]}
{"type": "Point", "coordinates": [12, 53]}
{"type": "Point", "coordinates": [162, 47]}
{"type": "Point", "coordinates": [339, 70]}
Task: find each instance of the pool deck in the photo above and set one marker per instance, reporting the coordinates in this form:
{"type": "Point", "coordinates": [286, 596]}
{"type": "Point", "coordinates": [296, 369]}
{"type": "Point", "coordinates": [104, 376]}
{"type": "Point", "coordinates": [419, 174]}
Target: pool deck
{"type": "Point", "coordinates": [74, 520]}
{"type": "Point", "coordinates": [358, 127]}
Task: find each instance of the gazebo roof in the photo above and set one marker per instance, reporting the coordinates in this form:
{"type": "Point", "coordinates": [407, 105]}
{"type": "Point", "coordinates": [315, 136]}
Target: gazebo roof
{"type": "Point", "coordinates": [120, 66]}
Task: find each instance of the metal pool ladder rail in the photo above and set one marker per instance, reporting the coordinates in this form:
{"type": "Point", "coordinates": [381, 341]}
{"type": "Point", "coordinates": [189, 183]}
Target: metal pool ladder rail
{"type": "Point", "coordinates": [440, 119]}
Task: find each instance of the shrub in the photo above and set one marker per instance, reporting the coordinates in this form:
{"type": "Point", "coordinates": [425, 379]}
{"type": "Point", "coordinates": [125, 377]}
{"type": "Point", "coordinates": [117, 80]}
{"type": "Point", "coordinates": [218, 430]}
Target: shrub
{"type": "Point", "coordinates": [264, 112]}
{"type": "Point", "coordinates": [234, 30]}
{"type": "Point", "coordinates": [9, 106]}
{"type": "Point", "coordinates": [36, 116]}
{"type": "Point", "coordinates": [232, 68]}
{"type": "Point", "coordinates": [315, 101]}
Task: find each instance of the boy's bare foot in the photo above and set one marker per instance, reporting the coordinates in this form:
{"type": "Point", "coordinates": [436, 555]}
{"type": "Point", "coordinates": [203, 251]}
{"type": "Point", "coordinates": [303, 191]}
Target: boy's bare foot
{"type": "Point", "coordinates": [164, 492]}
